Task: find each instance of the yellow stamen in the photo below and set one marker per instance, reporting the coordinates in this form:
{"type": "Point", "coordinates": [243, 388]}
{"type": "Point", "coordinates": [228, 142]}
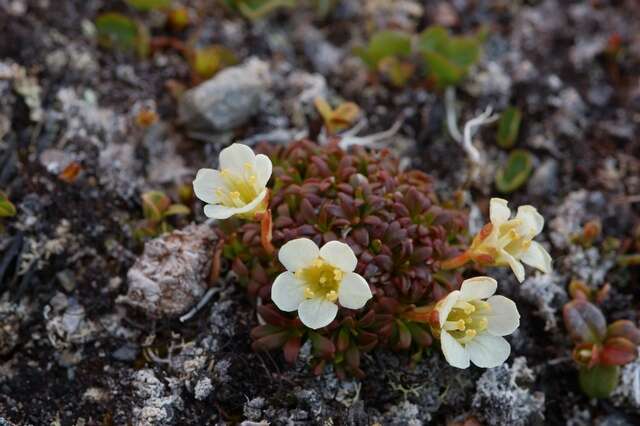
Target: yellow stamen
{"type": "Point", "coordinates": [466, 320]}
{"type": "Point", "coordinates": [454, 325]}
{"type": "Point", "coordinates": [468, 336]}
{"type": "Point", "coordinates": [465, 306]}
{"type": "Point", "coordinates": [321, 280]}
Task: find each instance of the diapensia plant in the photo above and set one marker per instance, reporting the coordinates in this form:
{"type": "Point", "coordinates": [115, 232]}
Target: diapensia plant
{"type": "Point", "coordinates": [346, 251]}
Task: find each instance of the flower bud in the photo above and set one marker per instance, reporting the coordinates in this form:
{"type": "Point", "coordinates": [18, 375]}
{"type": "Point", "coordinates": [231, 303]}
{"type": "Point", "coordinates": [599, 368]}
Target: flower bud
{"type": "Point", "coordinates": [626, 329]}
{"type": "Point", "coordinates": [618, 351]}
{"type": "Point", "coordinates": [584, 321]}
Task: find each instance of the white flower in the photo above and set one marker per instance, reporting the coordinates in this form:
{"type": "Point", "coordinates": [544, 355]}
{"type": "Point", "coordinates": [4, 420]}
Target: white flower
{"type": "Point", "coordinates": [471, 328]}
{"type": "Point", "coordinates": [510, 241]}
{"type": "Point", "coordinates": [316, 278]}
{"type": "Point", "coordinates": [238, 188]}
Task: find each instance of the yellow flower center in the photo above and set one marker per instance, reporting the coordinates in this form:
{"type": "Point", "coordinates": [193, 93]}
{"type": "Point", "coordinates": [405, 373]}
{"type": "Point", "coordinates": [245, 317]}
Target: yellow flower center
{"type": "Point", "coordinates": [239, 190]}
{"type": "Point", "coordinates": [467, 319]}
{"type": "Point", "coordinates": [505, 237]}
{"type": "Point", "coordinates": [321, 280]}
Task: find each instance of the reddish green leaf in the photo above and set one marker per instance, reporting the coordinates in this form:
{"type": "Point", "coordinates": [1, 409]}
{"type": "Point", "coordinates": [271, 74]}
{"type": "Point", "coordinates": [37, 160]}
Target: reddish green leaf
{"type": "Point", "coordinates": [584, 321]}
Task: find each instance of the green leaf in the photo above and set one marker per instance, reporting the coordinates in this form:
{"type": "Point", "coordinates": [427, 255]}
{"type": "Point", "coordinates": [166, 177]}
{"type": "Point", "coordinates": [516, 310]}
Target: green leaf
{"type": "Point", "coordinates": [154, 205]}
{"type": "Point", "coordinates": [177, 209]}
{"type": "Point", "coordinates": [599, 381]}
{"type": "Point", "coordinates": [147, 5]}
{"type": "Point", "coordinates": [322, 347]}
{"type": "Point", "coordinates": [7, 209]}
{"type": "Point", "coordinates": [143, 41]}
{"type": "Point", "coordinates": [509, 127]}
{"type": "Point", "coordinates": [324, 7]}
{"type": "Point", "coordinates": [116, 31]}
{"type": "Point", "coordinates": [382, 45]}
{"type": "Point", "coordinates": [515, 172]}
{"type": "Point", "coordinates": [256, 9]}
{"type": "Point", "coordinates": [445, 72]}
{"type": "Point", "coordinates": [434, 38]}
{"type": "Point", "coordinates": [398, 72]}
{"type": "Point", "coordinates": [464, 51]}
{"type": "Point", "coordinates": [584, 321]}
{"type": "Point", "coordinates": [448, 58]}
{"type": "Point", "coordinates": [209, 60]}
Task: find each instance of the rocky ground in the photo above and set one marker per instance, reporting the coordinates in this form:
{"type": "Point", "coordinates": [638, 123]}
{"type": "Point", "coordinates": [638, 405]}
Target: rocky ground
{"type": "Point", "coordinates": [81, 343]}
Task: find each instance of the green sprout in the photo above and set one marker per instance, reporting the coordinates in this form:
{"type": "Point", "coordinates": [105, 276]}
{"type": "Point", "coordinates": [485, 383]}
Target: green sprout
{"type": "Point", "coordinates": [207, 61]}
{"type": "Point", "coordinates": [509, 127]}
{"type": "Point", "coordinates": [515, 172]}
{"type": "Point", "coordinates": [257, 9]}
{"type": "Point", "coordinates": [448, 58]}
{"type": "Point", "coordinates": [387, 53]}
{"type": "Point", "coordinates": [7, 209]}
{"type": "Point", "coordinates": [157, 208]}
{"type": "Point", "coordinates": [600, 348]}
{"type": "Point", "coordinates": [117, 31]}
{"type": "Point", "coordinates": [147, 5]}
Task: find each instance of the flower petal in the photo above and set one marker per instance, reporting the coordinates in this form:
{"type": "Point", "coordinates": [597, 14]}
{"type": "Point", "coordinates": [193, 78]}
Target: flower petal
{"type": "Point", "coordinates": [444, 306]}
{"type": "Point", "coordinates": [287, 292]}
{"type": "Point", "coordinates": [217, 211]}
{"type": "Point", "coordinates": [499, 211]}
{"type": "Point", "coordinates": [488, 351]}
{"type": "Point", "coordinates": [223, 212]}
{"type": "Point", "coordinates": [264, 167]}
{"type": "Point", "coordinates": [354, 291]}
{"type": "Point", "coordinates": [317, 313]}
{"type": "Point", "coordinates": [235, 156]}
{"type": "Point", "coordinates": [532, 221]}
{"type": "Point", "coordinates": [206, 183]}
{"type": "Point", "coordinates": [477, 288]}
{"type": "Point", "coordinates": [504, 317]}
{"type": "Point", "coordinates": [515, 265]}
{"type": "Point", "coordinates": [339, 255]}
{"type": "Point", "coordinates": [455, 354]}
{"type": "Point", "coordinates": [537, 257]}
{"type": "Point", "coordinates": [297, 254]}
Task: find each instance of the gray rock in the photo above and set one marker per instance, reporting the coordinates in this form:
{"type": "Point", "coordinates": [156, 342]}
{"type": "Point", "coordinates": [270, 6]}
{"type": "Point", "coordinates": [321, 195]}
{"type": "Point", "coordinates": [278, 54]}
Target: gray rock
{"type": "Point", "coordinates": [589, 265]}
{"type": "Point", "coordinates": [614, 420]}
{"type": "Point", "coordinates": [501, 398]}
{"type": "Point", "coordinates": [157, 403]}
{"type": "Point", "coordinates": [11, 316]}
{"type": "Point", "coordinates": [628, 390]}
{"type": "Point", "coordinates": [404, 413]}
{"type": "Point", "coordinates": [127, 352]}
{"type": "Point", "coordinates": [170, 276]}
{"type": "Point", "coordinates": [546, 292]}
{"type": "Point", "coordinates": [545, 179]}
{"type": "Point", "coordinates": [324, 56]}
{"type": "Point", "coordinates": [571, 117]}
{"type": "Point", "coordinates": [203, 389]}
{"type": "Point", "coordinates": [252, 409]}
{"type": "Point", "coordinates": [227, 100]}
{"type": "Point", "coordinates": [576, 208]}
{"type": "Point", "coordinates": [423, 390]}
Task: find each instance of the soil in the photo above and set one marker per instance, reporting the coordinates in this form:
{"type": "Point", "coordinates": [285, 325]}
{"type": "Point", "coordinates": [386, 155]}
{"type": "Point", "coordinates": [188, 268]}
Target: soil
{"type": "Point", "coordinates": [71, 354]}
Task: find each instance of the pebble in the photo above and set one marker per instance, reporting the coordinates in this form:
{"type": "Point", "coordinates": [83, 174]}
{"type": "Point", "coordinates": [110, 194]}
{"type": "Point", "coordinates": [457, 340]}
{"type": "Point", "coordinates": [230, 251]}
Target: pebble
{"type": "Point", "coordinates": [226, 101]}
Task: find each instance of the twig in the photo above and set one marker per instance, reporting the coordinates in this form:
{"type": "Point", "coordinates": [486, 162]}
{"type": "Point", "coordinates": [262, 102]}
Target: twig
{"type": "Point", "coordinates": [370, 140]}
{"type": "Point", "coordinates": [470, 126]}
{"type": "Point", "coordinates": [486, 117]}
{"type": "Point", "coordinates": [452, 117]}
{"type": "Point", "coordinates": [205, 299]}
